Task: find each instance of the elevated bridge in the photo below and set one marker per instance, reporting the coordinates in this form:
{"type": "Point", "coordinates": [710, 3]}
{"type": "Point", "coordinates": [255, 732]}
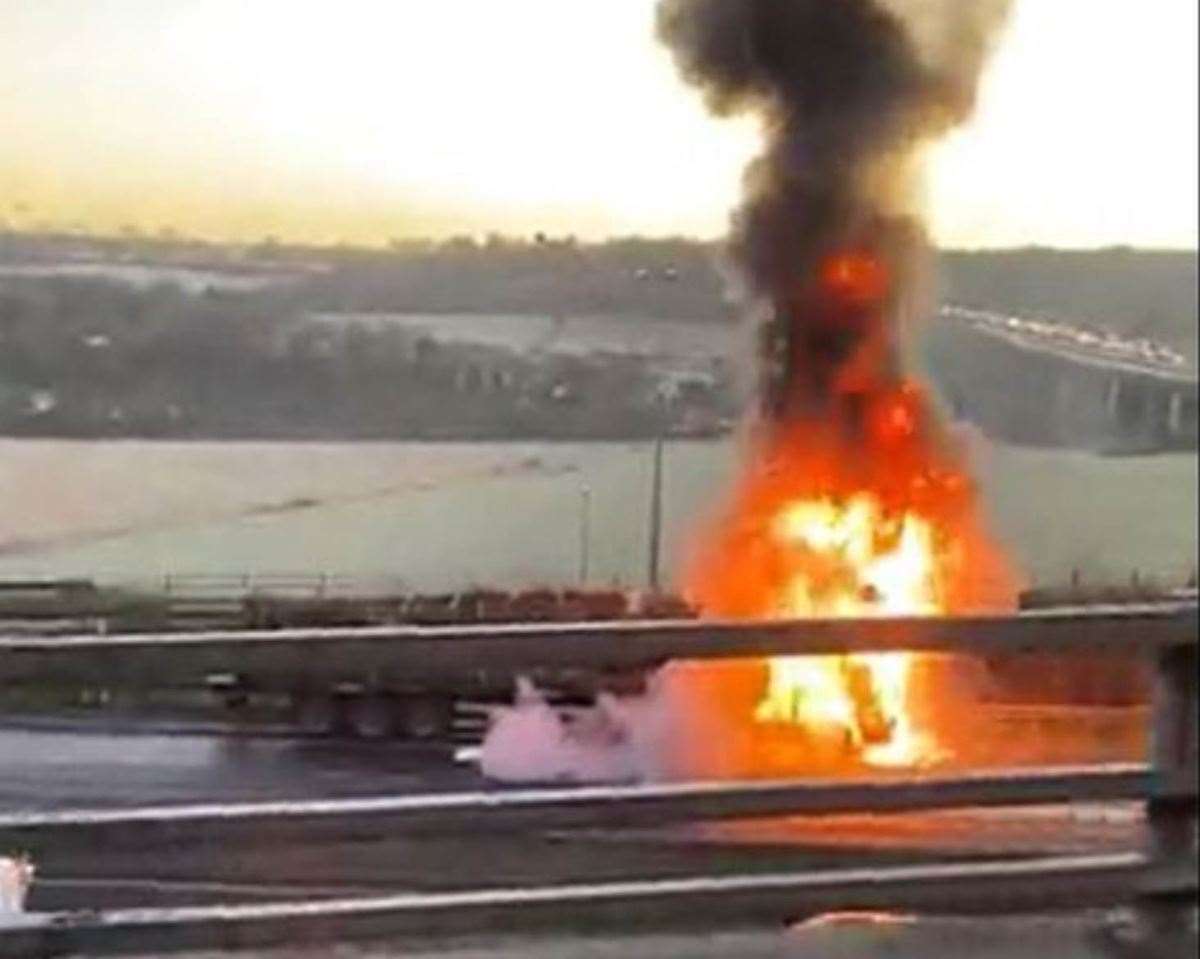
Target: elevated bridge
{"type": "Point", "coordinates": [1046, 383]}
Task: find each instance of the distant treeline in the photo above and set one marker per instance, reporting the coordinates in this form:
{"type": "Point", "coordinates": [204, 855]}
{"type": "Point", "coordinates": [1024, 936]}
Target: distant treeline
{"type": "Point", "coordinates": [661, 279]}
{"type": "Point", "coordinates": [87, 357]}
{"type": "Point", "coordinates": [1133, 292]}
{"type": "Point", "coordinates": [99, 356]}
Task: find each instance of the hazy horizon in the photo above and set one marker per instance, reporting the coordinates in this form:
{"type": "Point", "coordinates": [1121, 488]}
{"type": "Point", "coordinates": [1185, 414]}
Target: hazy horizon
{"type": "Point", "coordinates": [364, 120]}
{"type": "Point", "coordinates": [170, 234]}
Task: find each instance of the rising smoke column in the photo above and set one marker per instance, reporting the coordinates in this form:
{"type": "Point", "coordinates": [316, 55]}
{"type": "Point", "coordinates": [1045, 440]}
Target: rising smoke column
{"type": "Point", "coordinates": [847, 92]}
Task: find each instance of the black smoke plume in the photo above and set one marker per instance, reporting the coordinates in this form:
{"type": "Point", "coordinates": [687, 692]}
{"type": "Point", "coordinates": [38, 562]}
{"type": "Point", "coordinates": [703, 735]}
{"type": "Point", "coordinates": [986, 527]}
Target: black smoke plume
{"type": "Point", "coordinates": [847, 93]}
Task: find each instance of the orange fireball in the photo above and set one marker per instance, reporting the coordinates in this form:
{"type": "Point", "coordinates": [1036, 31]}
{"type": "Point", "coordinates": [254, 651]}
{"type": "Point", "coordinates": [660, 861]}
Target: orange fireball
{"type": "Point", "coordinates": [855, 276]}
{"type": "Point", "coordinates": [822, 524]}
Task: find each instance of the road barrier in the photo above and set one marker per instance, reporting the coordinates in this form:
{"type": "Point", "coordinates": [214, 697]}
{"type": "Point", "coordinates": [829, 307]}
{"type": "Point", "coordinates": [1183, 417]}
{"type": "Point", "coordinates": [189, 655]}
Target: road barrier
{"type": "Point", "coordinates": [1161, 880]}
{"type": "Point", "coordinates": [569, 808]}
{"type": "Point", "coordinates": [410, 654]}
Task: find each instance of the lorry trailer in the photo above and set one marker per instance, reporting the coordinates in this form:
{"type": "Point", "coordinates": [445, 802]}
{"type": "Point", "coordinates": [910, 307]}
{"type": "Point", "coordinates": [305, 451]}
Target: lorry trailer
{"type": "Point", "coordinates": [406, 678]}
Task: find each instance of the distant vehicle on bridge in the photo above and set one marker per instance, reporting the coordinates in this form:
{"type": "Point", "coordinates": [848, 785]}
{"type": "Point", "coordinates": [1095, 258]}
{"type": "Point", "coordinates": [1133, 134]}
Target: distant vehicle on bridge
{"type": "Point", "coordinates": [1047, 383]}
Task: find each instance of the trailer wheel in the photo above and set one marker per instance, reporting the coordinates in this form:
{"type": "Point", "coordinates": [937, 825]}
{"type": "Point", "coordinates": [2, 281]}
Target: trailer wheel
{"type": "Point", "coordinates": [373, 716]}
{"type": "Point", "coordinates": [318, 714]}
{"type": "Point", "coordinates": [424, 717]}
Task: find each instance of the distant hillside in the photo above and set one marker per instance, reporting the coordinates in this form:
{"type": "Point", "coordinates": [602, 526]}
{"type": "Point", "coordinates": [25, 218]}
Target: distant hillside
{"type": "Point", "coordinates": [1135, 292]}
{"type": "Point", "coordinates": [114, 337]}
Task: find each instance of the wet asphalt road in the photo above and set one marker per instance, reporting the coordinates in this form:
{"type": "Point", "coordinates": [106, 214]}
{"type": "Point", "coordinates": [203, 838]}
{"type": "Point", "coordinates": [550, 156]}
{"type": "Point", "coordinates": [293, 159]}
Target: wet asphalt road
{"type": "Point", "coordinates": [89, 766]}
{"type": "Point", "coordinates": [1070, 937]}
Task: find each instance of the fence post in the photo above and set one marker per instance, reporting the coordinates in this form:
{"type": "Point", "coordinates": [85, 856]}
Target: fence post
{"type": "Point", "coordinates": [1172, 822]}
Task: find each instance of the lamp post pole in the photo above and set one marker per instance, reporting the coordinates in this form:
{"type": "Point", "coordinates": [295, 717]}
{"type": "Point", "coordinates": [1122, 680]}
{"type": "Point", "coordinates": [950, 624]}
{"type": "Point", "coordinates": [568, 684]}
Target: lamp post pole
{"type": "Point", "coordinates": [655, 531]}
{"type": "Point", "coordinates": [585, 532]}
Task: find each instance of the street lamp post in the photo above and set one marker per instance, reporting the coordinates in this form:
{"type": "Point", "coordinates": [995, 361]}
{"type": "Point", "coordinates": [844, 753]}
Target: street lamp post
{"type": "Point", "coordinates": [655, 531]}
{"type": "Point", "coordinates": [585, 532]}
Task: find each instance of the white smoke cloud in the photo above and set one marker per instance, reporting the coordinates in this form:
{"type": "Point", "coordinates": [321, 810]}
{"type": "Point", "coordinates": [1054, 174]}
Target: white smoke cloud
{"type": "Point", "coordinates": [16, 876]}
{"type": "Point", "coordinates": [531, 742]}
{"type": "Point", "coordinates": [695, 721]}
{"type": "Point", "coordinates": [690, 723]}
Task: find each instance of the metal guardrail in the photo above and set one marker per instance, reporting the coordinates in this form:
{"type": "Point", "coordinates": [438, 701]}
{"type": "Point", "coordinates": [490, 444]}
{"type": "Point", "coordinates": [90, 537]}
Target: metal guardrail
{"type": "Point", "coordinates": [312, 585]}
{"type": "Point", "coordinates": [1162, 879]}
{"type": "Point", "coordinates": [574, 808]}
{"type": "Point", "coordinates": [405, 654]}
{"type": "Point", "coordinates": [1078, 345]}
{"type": "Point", "coordinates": [701, 903]}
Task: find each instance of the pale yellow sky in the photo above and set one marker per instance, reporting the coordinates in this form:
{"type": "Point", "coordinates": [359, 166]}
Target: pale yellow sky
{"type": "Point", "coordinates": [358, 120]}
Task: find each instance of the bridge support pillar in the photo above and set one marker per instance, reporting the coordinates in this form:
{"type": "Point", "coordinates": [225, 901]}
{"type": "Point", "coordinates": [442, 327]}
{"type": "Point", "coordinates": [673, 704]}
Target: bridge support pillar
{"type": "Point", "coordinates": [1175, 415]}
{"type": "Point", "coordinates": [1112, 397]}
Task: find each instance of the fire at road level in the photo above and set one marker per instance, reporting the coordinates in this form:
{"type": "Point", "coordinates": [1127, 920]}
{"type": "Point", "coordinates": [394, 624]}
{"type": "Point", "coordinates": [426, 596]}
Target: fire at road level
{"type": "Point", "coordinates": [852, 502]}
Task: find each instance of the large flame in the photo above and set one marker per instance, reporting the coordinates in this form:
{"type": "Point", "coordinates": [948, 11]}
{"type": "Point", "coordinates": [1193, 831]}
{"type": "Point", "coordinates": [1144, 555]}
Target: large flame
{"type": "Point", "coordinates": [879, 538]}
{"type": "Point", "coordinates": [851, 559]}
{"type": "Point", "coordinates": [867, 512]}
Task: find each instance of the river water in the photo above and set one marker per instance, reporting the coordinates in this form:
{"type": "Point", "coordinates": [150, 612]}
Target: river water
{"type": "Point", "coordinates": [441, 516]}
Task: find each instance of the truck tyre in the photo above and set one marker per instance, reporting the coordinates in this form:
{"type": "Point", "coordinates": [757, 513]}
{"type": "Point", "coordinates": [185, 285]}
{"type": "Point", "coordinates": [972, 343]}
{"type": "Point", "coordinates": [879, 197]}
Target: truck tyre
{"type": "Point", "coordinates": [373, 716]}
{"type": "Point", "coordinates": [318, 714]}
{"type": "Point", "coordinates": [425, 717]}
